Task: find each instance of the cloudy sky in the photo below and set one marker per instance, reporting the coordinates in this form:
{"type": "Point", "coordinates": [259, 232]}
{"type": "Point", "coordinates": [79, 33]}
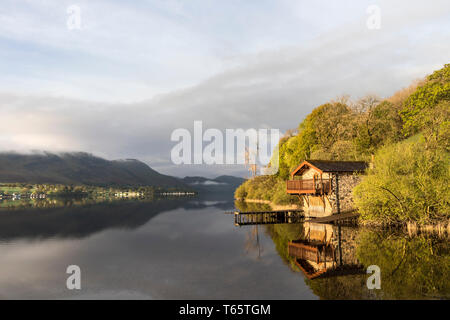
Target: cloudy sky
{"type": "Point", "coordinates": [137, 70]}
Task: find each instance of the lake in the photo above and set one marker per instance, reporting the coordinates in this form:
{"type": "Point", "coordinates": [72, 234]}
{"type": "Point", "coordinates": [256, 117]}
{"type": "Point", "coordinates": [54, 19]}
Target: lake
{"type": "Point", "coordinates": [191, 249]}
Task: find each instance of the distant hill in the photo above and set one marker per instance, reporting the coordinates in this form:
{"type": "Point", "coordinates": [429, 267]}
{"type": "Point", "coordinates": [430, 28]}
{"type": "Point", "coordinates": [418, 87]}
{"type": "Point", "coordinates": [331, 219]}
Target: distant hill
{"type": "Point", "coordinates": [219, 184]}
{"type": "Point", "coordinates": [79, 168]}
{"type": "Point", "coordinates": [232, 180]}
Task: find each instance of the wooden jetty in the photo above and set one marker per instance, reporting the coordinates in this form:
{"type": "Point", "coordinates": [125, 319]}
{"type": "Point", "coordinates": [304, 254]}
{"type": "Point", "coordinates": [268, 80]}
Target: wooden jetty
{"type": "Point", "coordinates": [268, 217]}
{"type": "Point", "coordinates": [345, 217]}
{"type": "Point", "coordinates": [289, 216]}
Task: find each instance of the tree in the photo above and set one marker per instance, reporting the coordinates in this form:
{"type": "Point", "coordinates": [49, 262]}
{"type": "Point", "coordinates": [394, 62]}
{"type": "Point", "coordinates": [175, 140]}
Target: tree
{"type": "Point", "coordinates": [317, 135]}
{"type": "Point", "coordinates": [422, 103]}
{"type": "Point", "coordinates": [379, 125]}
{"type": "Point", "coordinates": [407, 183]}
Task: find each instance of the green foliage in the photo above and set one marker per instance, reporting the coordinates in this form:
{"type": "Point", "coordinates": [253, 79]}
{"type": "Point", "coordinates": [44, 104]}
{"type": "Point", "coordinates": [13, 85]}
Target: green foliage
{"type": "Point", "coordinates": [270, 188]}
{"type": "Point", "coordinates": [378, 126]}
{"type": "Point", "coordinates": [241, 192]}
{"type": "Point", "coordinates": [244, 206]}
{"type": "Point", "coordinates": [281, 234]}
{"type": "Point", "coordinates": [407, 183]}
{"type": "Point", "coordinates": [436, 126]}
{"type": "Point", "coordinates": [290, 152]}
{"type": "Point", "coordinates": [326, 133]}
{"type": "Point", "coordinates": [280, 196]}
{"type": "Point", "coordinates": [410, 268]}
{"type": "Point", "coordinates": [331, 122]}
{"type": "Point", "coordinates": [421, 104]}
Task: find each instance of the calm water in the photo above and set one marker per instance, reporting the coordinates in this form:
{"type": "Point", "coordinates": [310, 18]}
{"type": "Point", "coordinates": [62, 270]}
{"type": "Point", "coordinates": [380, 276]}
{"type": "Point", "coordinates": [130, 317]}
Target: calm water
{"type": "Point", "coordinates": [191, 249]}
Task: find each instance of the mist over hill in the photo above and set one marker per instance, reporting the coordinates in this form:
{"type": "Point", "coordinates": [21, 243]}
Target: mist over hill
{"type": "Point", "coordinates": [221, 184]}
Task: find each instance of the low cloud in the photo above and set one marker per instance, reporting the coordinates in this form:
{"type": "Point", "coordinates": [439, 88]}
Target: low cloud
{"type": "Point", "coordinates": [270, 89]}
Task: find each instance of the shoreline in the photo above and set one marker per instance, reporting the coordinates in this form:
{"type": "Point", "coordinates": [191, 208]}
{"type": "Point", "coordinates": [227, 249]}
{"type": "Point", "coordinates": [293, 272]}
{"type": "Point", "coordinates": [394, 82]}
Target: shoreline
{"type": "Point", "coordinates": [410, 227]}
{"type": "Point", "coordinates": [271, 204]}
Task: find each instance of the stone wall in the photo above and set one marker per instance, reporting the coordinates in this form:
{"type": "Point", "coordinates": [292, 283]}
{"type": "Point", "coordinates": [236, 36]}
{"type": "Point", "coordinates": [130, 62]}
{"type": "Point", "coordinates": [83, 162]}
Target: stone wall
{"type": "Point", "coordinates": [346, 183]}
{"type": "Point", "coordinates": [347, 244]}
{"type": "Point", "coordinates": [318, 206]}
{"type": "Point", "coordinates": [344, 244]}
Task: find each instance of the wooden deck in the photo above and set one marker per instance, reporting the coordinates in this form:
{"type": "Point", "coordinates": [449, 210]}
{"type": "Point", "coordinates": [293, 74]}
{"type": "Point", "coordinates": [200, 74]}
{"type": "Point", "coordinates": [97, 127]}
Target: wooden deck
{"type": "Point", "coordinates": [308, 186]}
{"type": "Point", "coordinates": [338, 218]}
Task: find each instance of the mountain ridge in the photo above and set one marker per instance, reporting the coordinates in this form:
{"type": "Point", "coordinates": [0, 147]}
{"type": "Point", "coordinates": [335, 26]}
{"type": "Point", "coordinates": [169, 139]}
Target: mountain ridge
{"type": "Point", "coordinates": [79, 168]}
{"type": "Point", "coordinates": [82, 168]}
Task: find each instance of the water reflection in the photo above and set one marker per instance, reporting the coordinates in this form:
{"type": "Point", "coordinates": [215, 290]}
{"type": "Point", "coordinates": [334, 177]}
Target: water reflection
{"type": "Point", "coordinates": [323, 253]}
{"type": "Point", "coordinates": [79, 218]}
{"type": "Point", "coordinates": [412, 267]}
{"type": "Point", "coordinates": [162, 249]}
{"type": "Point", "coordinates": [190, 249]}
{"type": "Point", "coordinates": [334, 260]}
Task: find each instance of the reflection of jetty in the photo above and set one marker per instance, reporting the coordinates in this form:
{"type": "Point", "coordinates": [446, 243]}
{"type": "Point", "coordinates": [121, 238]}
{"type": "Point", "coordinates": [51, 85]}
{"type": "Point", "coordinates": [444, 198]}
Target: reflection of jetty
{"type": "Point", "coordinates": [268, 217]}
{"type": "Point", "coordinates": [289, 216]}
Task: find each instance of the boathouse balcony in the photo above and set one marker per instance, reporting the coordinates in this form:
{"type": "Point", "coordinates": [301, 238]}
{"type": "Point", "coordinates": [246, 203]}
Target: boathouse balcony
{"type": "Point", "coordinates": [308, 186]}
{"type": "Point", "coordinates": [313, 177]}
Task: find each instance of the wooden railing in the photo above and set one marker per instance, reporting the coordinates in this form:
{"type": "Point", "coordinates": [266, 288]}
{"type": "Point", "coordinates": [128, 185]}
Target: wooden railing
{"type": "Point", "coordinates": [308, 186]}
{"type": "Point", "coordinates": [302, 251]}
{"type": "Point", "coordinates": [300, 184]}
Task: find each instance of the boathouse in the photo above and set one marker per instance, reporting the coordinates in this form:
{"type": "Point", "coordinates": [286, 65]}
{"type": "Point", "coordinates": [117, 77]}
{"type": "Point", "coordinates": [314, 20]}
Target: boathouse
{"type": "Point", "coordinates": [325, 187]}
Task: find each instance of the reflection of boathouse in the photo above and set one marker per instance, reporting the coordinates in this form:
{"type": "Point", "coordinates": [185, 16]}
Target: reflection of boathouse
{"type": "Point", "coordinates": [322, 253]}
{"type": "Point", "coordinates": [325, 187]}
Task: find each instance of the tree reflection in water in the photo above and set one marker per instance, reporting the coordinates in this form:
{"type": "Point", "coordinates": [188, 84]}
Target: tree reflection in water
{"type": "Point", "coordinates": [334, 260]}
{"type": "Point", "coordinates": [411, 268]}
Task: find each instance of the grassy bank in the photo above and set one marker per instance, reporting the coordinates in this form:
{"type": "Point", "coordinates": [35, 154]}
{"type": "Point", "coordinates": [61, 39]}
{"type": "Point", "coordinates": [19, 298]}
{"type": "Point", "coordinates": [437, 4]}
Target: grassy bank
{"type": "Point", "coordinates": [268, 188]}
